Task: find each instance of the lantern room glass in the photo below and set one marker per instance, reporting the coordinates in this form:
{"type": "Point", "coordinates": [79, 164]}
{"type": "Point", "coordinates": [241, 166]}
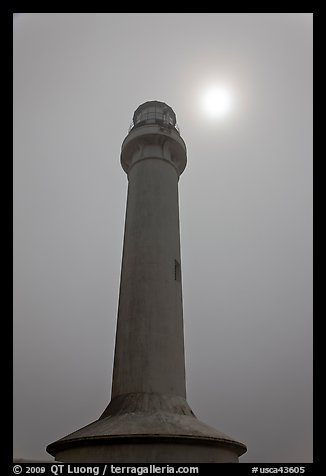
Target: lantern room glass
{"type": "Point", "coordinates": [154, 112]}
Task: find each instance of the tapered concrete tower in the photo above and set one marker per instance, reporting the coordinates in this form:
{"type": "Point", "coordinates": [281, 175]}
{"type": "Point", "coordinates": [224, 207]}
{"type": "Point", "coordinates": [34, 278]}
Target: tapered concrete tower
{"type": "Point", "coordinates": [148, 419]}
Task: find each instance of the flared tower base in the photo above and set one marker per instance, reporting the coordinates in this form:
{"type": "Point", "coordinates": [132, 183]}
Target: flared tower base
{"type": "Point", "coordinates": [147, 428]}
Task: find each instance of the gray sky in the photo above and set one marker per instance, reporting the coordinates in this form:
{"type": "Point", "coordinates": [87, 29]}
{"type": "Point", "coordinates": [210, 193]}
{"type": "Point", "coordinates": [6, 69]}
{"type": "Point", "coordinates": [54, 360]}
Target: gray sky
{"type": "Point", "coordinates": [245, 213]}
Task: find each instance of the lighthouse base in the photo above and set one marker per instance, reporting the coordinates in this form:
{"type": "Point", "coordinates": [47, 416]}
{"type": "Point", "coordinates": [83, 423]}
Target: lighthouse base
{"type": "Point", "coordinates": [149, 452]}
{"type": "Point", "coordinates": [147, 428]}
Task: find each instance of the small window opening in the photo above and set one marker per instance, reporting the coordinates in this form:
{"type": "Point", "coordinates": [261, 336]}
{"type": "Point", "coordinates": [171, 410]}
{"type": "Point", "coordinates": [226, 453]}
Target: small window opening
{"type": "Point", "coordinates": [177, 270]}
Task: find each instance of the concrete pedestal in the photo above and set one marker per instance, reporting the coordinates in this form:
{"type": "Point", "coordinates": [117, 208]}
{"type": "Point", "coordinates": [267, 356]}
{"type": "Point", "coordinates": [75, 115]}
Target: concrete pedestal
{"type": "Point", "coordinates": [147, 428]}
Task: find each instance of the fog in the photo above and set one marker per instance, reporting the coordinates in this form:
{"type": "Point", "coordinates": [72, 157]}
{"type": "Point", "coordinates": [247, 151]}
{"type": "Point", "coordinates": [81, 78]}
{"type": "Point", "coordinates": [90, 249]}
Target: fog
{"type": "Point", "coordinates": [245, 217]}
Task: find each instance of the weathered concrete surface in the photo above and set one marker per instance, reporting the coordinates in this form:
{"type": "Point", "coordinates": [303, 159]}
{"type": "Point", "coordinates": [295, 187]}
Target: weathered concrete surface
{"type": "Point", "coordinates": [149, 351]}
{"type": "Point", "coordinates": [148, 428]}
{"type": "Point", "coordinates": [148, 419]}
{"type": "Point", "coordinates": [153, 140]}
{"type": "Point", "coordinates": [163, 452]}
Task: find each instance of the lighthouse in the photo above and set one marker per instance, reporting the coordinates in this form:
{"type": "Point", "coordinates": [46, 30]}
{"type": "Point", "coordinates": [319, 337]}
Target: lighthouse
{"type": "Point", "coordinates": [148, 419]}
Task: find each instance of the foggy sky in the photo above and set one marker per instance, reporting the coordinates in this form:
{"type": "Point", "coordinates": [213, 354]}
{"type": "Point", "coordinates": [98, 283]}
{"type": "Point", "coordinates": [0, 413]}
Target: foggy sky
{"type": "Point", "coordinates": [245, 217]}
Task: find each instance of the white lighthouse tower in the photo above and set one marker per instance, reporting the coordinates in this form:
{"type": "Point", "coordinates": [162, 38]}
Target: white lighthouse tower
{"type": "Point", "coordinates": [148, 419]}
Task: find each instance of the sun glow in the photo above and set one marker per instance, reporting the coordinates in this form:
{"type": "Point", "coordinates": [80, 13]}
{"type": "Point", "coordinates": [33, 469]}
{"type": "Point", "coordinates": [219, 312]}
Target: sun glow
{"type": "Point", "coordinates": [217, 101]}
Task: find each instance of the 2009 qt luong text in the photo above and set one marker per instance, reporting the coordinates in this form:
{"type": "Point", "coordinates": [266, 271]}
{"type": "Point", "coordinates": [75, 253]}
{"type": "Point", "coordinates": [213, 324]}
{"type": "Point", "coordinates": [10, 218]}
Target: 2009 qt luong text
{"type": "Point", "coordinates": [58, 469]}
